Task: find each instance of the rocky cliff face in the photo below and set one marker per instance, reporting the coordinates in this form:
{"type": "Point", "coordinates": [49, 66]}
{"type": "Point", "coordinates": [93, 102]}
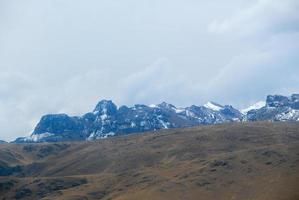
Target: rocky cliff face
{"type": "Point", "coordinates": [277, 108]}
{"type": "Point", "coordinates": [108, 120]}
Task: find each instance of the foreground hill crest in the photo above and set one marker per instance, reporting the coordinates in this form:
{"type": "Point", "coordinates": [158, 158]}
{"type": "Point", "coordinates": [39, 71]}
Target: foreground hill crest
{"type": "Point", "coordinates": [107, 120]}
{"type": "Point", "coordinates": [256, 160]}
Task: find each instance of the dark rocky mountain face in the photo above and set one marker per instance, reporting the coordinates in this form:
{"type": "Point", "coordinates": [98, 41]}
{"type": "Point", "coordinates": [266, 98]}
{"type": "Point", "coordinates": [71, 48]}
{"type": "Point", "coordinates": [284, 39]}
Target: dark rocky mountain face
{"type": "Point", "coordinates": [277, 108]}
{"type": "Point", "coordinates": [277, 101]}
{"type": "Point", "coordinates": [107, 120]}
{"type": "Point", "coordinates": [105, 107]}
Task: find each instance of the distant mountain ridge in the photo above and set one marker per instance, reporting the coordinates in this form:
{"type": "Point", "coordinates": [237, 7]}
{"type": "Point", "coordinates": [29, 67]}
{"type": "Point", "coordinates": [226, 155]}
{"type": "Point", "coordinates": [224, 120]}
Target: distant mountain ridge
{"type": "Point", "coordinates": [107, 120]}
{"type": "Point", "coordinates": [277, 108]}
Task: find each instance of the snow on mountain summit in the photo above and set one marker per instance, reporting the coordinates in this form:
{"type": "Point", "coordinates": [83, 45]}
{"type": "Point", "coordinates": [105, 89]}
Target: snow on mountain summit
{"type": "Point", "coordinates": [255, 106]}
{"type": "Point", "coordinates": [213, 106]}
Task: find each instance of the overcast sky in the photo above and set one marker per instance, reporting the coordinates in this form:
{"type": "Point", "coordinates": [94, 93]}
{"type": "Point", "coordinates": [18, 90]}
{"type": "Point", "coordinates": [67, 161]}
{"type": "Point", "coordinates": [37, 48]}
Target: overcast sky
{"type": "Point", "coordinates": [64, 56]}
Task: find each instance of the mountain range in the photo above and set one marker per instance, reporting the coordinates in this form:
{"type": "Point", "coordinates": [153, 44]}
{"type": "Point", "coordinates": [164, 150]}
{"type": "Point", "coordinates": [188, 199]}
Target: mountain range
{"type": "Point", "coordinates": [108, 120]}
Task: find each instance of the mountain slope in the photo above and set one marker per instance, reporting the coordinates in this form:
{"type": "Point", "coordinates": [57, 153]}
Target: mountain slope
{"type": "Point", "coordinates": [255, 106]}
{"type": "Point", "coordinates": [229, 161]}
{"type": "Point", "coordinates": [277, 108]}
{"type": "Point", "coordinates": [107, 120]}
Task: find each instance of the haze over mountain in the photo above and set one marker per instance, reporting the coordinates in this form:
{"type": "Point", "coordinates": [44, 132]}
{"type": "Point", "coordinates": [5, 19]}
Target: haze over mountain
{"type": "Point", "coordinates": [107, 120]}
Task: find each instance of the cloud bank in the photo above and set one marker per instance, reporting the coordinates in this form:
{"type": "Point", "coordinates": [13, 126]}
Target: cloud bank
{"type": "Point", "coordinates": [63, 57]}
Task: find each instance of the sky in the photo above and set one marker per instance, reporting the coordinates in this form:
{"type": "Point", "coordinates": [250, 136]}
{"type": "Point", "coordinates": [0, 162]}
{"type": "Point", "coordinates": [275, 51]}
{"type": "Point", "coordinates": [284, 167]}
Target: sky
{"type": "Point", "coordinates": [64, 56]}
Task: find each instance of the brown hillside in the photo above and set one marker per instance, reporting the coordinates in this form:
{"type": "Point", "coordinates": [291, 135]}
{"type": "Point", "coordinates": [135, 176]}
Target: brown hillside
{"type": "Point", "coordinates": [232, 161]}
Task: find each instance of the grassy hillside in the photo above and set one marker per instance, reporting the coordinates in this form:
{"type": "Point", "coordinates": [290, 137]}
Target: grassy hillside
{"type": "Point", "coordinates": [230, 161]}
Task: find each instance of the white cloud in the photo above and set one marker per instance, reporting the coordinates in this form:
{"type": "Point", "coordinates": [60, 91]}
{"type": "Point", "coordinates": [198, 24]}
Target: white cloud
{"type": "Point", "coordinates": [262, 18]}
{"type": "Point", "coordinates": [154, 84]}
{"type": "Point", "coordinates": [271, 68]}
{"type": "Point", "coordinates": [270, 31]}
{"type": "Point", "coordinates": [65, 56]}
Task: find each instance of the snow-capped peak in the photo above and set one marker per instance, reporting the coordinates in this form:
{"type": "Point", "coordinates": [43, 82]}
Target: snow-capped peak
{"type": "Point", "coordinates": [152, 105]}
{"type": "Point", "coordinates": [213, 106]}
{"type": "Point", "coordinates": [179, 110]}
{"type": "Point", "coordinates": [255, 106]}
{"type": "Point", "coordinates": [166, 105]}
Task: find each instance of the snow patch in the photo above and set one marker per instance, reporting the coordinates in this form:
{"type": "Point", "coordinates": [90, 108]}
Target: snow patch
{"type": "Point", "coordinates": [110, 134]}
{"type": "Point", "coordinates": [213, 106]}
{"type": "Point", "coordinates": [37, 137]}
{"type": "Point", "coordinates": [99, 135]}
{"type": "Point", "coordinates": [255, 106]}
{"type": "Point", "coordinates": [104, 116]}
{"type": "Point", "coordinates": [162, 122]}
{"type": "Point", "coordinates": [91, 136]}
{"type": "Point", "coordinates": [179, 110]}
{"type": "Point", "coordinates": [143, 123]}
{"type": "Point", "coordinates": [133, 124]}
{"type": "Point", "coordinates": [291, 115]}
{"type": "Point", "coordinates": [190, 114]}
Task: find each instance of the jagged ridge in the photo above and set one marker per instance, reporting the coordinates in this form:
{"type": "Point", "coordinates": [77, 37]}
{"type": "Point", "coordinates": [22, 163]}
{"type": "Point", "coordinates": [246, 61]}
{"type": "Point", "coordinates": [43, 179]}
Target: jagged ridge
{"type": "Point", "coordinates": [108, 120]}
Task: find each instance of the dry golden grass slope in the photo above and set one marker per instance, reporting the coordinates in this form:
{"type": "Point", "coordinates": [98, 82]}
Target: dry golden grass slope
{"type": "Point", "coordinates": [231, 161]}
